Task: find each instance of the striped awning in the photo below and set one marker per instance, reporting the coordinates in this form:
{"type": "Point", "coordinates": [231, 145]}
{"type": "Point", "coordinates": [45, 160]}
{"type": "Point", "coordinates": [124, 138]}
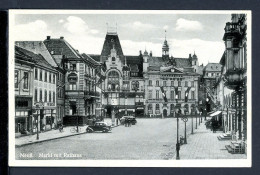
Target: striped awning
{"type": "Point", "coordinates": [215, 113]}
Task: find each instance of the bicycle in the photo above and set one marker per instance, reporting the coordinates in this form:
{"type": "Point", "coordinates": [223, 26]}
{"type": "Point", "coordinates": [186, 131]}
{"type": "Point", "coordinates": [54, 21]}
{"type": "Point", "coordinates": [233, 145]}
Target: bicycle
{"type": "Point", "coordinates": [74, 129]}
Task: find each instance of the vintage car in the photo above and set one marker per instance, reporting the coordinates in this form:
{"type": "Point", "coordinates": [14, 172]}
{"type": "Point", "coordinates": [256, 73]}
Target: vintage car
{"type": "Point", "coordinates": [130, 118]}
{"type": "Point", "coordinates": [99, 126]}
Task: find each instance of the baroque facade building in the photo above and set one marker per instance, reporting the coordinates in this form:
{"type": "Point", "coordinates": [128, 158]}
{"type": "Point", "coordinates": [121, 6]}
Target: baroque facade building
{"type": "Point", "coordinates": [132, 85]}
{"type": "Point", "coordinates": [80, 80]}
{"type": "Point", "coordinates": [236, 70]}
{"type": "Point", "coordinates": [178, 78]}
{"type": "Point", "coordinates": [124, 85]}
{"type": "Point", "coordinates": [232, 86]}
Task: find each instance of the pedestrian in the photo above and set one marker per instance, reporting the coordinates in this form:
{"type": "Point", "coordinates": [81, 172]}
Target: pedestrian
{"type": "Point", "coordinates": [117, 121]}
{"type": "Point", "coordinates": [125, 122]}
{"type": "Point", "coordinates": [214, 126]}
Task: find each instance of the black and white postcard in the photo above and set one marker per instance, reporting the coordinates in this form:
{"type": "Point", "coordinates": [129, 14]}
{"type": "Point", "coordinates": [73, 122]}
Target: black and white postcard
{"type": "Point", "coordinates": [130, 88]}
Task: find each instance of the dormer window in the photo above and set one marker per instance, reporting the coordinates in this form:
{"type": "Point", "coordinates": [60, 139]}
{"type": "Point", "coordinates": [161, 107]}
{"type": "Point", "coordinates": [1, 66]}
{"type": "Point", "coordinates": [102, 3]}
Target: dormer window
{"type": "Point", "coordinates": [73, 67]}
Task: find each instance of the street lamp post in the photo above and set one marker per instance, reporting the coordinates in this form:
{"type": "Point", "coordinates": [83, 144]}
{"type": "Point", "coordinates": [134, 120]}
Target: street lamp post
{"type": "Point", "coordinates": [196, 120]}
{"type": "Point", "coordinates": [37, 124]}
{"type": "Point", "coordinates": [185, 119]}
{"type": "Point", "coordinates": [191, 124]}
{"type": "Point", "coordinates": [178, 143]}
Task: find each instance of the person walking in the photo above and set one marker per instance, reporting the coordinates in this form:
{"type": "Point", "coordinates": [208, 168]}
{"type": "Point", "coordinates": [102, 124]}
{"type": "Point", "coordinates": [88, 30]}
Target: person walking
{"type": "Point", "coordinates": [129, 122]}
{"type": "Point", "coordinates": [125, 122]}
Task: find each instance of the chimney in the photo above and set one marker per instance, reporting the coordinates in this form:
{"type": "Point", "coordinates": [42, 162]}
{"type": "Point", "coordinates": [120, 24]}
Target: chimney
{"type": "Point", "coordinates": [61, 37]}
{"type": "Point", "coordinates": [48, 37]}
{"type": "Point", "coordinates": [151, 53]}
{"type": "Point", "coordinates": [189, 55]}
{"type": "Point", "coordinates": [140, 52]}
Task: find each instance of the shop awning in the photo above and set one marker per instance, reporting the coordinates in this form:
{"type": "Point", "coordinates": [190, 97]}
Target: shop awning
{"type": "Point", "coordinates": [120, 110]}
{"type": "Point", "coordinates": [215, 113]}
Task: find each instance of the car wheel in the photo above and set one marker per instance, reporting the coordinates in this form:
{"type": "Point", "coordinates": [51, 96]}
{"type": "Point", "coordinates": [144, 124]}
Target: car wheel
{"type": "Point", "coordinates": [89, 130]}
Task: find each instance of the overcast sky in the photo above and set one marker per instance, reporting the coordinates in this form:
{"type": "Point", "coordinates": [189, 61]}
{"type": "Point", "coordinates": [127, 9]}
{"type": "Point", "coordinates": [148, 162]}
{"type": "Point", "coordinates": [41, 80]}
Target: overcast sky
{"type": "Point", "coordinates": [86, 32]}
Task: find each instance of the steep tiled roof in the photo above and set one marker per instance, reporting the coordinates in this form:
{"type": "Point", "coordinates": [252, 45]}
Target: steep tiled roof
{"type": "Point", "coordinates": [88, 58]}
{"type": "Point", "coordinates": [134, 60]}
{"type": "Point", "coordinates": [213, 67]}
{"type": "Point", "coordinates": [22, 54]}
{"type": "Point", "coordinates": [153, 68]}
{"type": "Point", "coordinates": [156, 61]}
{"type": "Point", "coordinates": [182, 62]}
{"type": "Point", "coordinates": [134, 68]}
{"type": "Point", "coordinates": [37, 47]}
{"type": "Point", "coordinates": [38, 58]}
{"type": "Point", "coordinates": [61, 47]}
{"type": "Point", "coordinates": [111, 41]}
{"type": "Point", "coordinates": [95, 57]}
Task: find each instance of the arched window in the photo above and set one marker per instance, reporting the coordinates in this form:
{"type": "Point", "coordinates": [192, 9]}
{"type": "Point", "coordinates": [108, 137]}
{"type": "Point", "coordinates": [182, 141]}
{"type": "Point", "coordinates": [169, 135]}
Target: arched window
{"type": "Point", "coordinates": [113, 59]}
{"type": "Point", "coordinates": [113, 80]}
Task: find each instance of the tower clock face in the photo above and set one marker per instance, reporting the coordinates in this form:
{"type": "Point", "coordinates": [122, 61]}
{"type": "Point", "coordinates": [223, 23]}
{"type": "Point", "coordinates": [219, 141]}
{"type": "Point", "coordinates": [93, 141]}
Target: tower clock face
{"type": "Point", "coordinates": [172, 70]}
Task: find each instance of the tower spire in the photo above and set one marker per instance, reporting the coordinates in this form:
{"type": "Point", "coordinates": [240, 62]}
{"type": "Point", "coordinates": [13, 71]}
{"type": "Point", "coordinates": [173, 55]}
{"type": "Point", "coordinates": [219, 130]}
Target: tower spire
{"type": "Point", "coordinates": [165, 35]}
{"type": "Point", "coordinates": [125, 61]}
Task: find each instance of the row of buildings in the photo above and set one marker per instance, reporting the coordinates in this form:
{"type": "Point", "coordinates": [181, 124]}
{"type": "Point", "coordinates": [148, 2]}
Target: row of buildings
{"type": "Point", "coordinates": [54, 82]}
{"type": "Point", "coordinates": [224, 85]}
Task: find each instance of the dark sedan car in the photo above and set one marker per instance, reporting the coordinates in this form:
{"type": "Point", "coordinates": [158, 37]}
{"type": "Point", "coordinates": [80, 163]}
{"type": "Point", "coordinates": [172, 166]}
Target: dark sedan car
{"type": "Point", "coordinates": [130, 118]}
{"type": "Point", "coordinates": [99, 126]}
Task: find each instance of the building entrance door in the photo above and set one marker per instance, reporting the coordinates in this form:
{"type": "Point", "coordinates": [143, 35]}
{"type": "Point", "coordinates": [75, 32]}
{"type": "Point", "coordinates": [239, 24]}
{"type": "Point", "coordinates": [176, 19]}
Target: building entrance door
{"type": "Point", "coordinates": [165, 113]}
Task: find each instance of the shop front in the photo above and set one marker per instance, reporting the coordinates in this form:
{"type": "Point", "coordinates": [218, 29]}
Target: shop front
{"type": "Point", "coordinates": [45, 117]}
{"type": "Point", "coordinates": [23, 114]}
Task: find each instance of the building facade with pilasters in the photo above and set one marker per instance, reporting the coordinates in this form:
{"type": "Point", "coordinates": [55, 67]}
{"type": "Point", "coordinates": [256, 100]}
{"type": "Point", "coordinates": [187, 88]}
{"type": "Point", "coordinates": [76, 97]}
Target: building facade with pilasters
{"type": "Point", "coordinates": [234, 76]}
{"type": "Point", "coordinates": [178, 78]}
{"type": "Point", "coordinates": [79, 80]}
{"type": "Point", "coordinates": [23, 85]}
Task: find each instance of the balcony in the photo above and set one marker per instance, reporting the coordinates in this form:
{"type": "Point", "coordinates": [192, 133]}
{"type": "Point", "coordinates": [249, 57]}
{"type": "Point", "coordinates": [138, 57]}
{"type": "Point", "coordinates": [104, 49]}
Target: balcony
{"type": "Point", "coordinates": [91, 94]}
{"type": "Point", "coordinates": [234, 78]}
{"type": "Point", "coordinates": [234, 29]}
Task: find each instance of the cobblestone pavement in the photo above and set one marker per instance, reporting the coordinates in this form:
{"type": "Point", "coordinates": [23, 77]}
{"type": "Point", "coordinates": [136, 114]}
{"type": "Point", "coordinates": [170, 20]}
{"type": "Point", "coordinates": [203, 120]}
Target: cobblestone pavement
{"type": "Point", "coordinates": [51, 135]}
{"type": "Point", "coordinates": [48, 135]}
{"type": "Point", "coordinates": [204, 144]}
{"type": "Point", "coordinates": [148, 139]}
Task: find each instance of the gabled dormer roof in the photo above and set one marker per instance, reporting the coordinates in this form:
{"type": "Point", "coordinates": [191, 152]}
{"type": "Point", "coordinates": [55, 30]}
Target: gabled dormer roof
{"type": "Point", "coordinates": [111, 41]}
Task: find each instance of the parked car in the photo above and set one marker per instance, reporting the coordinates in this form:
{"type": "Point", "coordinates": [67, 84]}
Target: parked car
{"type": "Point", "coordinates": [131, 118]}
{"type": "Point", "coordinates": [99, 126]}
